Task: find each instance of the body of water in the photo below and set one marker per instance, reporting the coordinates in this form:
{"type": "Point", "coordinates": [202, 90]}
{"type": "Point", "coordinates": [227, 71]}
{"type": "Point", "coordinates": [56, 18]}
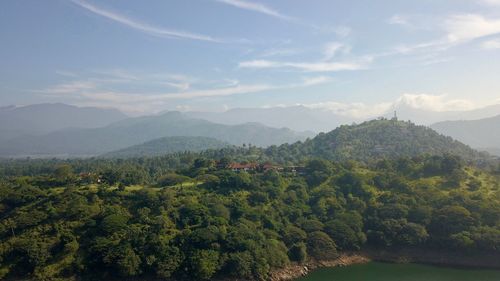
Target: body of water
{"type": "Point", "coordinates": [375, 271]}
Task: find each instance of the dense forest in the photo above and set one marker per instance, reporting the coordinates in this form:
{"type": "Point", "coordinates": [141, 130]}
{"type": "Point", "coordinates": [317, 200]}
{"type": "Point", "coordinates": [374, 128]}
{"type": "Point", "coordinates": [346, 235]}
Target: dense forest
{"type": "Point", "coordinates": [372, 140]}
{"type": "Point", "coordinates": [193, 218]}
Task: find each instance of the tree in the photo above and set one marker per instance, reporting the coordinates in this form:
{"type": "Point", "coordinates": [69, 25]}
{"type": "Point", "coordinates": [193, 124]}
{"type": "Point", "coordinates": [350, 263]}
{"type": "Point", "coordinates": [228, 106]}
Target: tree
{"type": "Point", "coordinates": [172, 179]}
{"type": "Point", "coordinates": [343, 235]}
{"type": "Point", "coordinates": [114, 223]}
{"type": "Point", "coordinates": [317, 171]}
{"type": "Point", "coordinates": [298, 252]}
{"type": "Point", "coordinates": [321, 246]}
{"type": "Point", "coordinates": [204, 263]}
{"type": "Point", "coordinates": [294, 235]}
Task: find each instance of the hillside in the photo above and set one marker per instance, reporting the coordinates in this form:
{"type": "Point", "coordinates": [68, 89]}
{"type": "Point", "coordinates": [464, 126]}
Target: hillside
{"type": "Point", "coordinates": [375, 139]}
{"type": "Point", "coordinates": [481, 134]}
{"type": "Point", "coordinates": [41, 119]}
{"type": "Point", "coordinates": [136, 219]}
{"type": "Point", "coordinates": [132, 131]}
{"type": "Point", "coordinates": [167, 145]}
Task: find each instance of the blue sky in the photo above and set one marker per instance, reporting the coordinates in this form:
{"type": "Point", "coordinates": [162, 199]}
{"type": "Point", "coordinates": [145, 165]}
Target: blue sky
{"type": "Point", "coordinates": [150, 56]}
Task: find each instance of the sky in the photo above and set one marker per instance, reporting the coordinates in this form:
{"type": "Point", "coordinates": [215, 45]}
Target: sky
{"type": "Point", "coordinates": [150, 56]}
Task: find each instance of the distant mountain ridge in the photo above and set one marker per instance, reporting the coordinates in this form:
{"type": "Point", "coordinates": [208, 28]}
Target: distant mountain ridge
{"type": "Point", "coordinates": [132, 131]}
{"type": "Point", "coordinates": [41, 119]}
{"type": "Point", "coordinates": [303, 118]}
{"type": "Point", "coordinates": [298, 118]}
{"type": "Point", "coordinates": [167, 145]}
{"type": "Point", "coordinates": [482, 134]}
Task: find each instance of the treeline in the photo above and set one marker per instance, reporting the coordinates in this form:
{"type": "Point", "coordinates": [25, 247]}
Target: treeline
{"type": "Point", "coordinates": [223, 223]}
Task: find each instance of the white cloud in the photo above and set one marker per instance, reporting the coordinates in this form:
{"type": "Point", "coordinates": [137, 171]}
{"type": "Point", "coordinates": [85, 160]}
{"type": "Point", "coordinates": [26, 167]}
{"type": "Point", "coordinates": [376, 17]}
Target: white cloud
{"type": "Point", "coordinates": [311, 81]}
{"type": "Point", "coordinates": [334, 48]}
{"type": "Point", "coordinates": [305, 66]}
{"type": "Point", "coordinates": [146, 91]}
{"type": "Point", "coordinates": [491, 44]}
{"type": "Point", "coordinates": [141, 26]}
{"type": "Point", "coordinates": [69, 88]}
{"type": "Point", "coordinates": [434, 103]}
{"type": "Point", "coordinates": [490, 2]}
{"type": "Point", "coordinates": [398, 20]}
{"type": "Point", "coordinates": [466, 27]}
{"type": "Point", "coordinates": [256, 7]}
{"type": "Point", "coordinates": [353, 110]}
{"type": "Point", "coordinates": [330, 51]}
{"type": "Point", "coordinates": [279, 52]}
{"type": "Point", "coordinates": [437, 103]}
{"type": "Point", "coordinates": [457, 29]}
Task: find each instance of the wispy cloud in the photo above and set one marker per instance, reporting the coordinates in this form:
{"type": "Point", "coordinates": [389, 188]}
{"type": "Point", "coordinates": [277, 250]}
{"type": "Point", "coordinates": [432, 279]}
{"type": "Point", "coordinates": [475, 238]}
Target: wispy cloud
{"type": "Point", "coordinates": [325, 64]}
{"type": "Point", "coordinates": [333, 48]}
{"type": "Point", "coordinates": [491, 44]}
{"type": "Point", "coordinates": [437, 103]}
{"type": "Point", "coordinates": [311, 81]}
{"type": "Point", "coordinates": [458, 29]}
{"type": "Point", "coordinates": [257, 7]}
{"type": "Point", "coordinates": [304, 66]}
{"type": "Point", "coordinates": [341, 31]}
{"type": "Point", "coordinates": [68, 88]}
{"type": "Point", "coordinates": [467, 27]}
{"type": "Point", "coordinates": [123, 89]}
{"type": "Point", "coordinates": [360, 110]}
{"type": "Point", "coordinates": [398, 20]}
{"type": "Point", "coordinates": [141, 26]}
{"type": "Point", "coordinates": [352, 110]}
{"type": "Point", "coordinates": [490, 2]}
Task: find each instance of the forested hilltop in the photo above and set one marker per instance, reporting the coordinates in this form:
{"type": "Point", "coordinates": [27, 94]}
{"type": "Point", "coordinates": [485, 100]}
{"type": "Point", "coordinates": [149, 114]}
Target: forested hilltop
{"type": "Point", "coordinates": [373, 140]}
{"type": "Point", "coordinates": [206, 220]}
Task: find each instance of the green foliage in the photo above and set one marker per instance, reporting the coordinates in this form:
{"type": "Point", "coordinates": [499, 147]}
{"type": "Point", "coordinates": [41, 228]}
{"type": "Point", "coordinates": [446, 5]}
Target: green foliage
{"type": "Point", "coordinates": [172, 179]}
{"type": "Point", "coordinates": [54, 226]}
{"type": "Point", "coordinates": [321, 246]}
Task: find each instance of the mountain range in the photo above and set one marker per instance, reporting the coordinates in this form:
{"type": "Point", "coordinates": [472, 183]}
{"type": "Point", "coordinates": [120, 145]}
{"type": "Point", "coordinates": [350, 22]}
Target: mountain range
{"type": "Point", "coordinates": [59, 130]}
{"type": "Point", "coordinates": [302, 118]}
{"type": "Point", "coordinates": [132, 131]}
{"type": "Point", "coordinates": [39, 119]}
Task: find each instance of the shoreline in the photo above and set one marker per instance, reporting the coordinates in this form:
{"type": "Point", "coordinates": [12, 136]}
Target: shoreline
{"type": "Point", "coordinates": [435, 258]}
{"type": "Point", "coordinates": [295, 271]}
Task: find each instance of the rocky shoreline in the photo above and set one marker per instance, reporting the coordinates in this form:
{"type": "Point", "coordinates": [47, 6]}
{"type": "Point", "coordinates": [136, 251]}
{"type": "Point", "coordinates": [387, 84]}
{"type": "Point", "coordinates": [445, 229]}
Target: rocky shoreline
{"type": "Point", "coordinates": [439, 258]}
{"type": "Point", "coordinates": [299, 270]}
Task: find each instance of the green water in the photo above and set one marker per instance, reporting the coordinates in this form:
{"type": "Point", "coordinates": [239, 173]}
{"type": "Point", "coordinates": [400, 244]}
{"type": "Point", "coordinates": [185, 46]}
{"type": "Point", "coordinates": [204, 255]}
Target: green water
{"type": "Point", "coordinates": [375, 271]}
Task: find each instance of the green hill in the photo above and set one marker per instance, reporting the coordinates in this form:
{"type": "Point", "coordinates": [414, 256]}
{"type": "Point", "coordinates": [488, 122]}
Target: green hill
{"type": "Point", "coordinates": [375, 139]}
{"type": "Point", "coordinates": [167, 145]}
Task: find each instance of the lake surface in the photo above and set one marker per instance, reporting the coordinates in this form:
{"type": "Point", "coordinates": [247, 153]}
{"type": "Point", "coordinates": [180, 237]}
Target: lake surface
{"type": "Point", "coordinates": [376, 271]}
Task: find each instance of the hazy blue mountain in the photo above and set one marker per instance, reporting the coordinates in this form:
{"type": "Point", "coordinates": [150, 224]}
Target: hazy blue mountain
{"type": "Point", "coordinates": [302, 118]}
{"type": "Point", "coordinates": [132, 131]}
{"type": "Point", "coordinates": [40, 119]}
{"type": "Point", "coordinates": [481, 134]}
{"type": "Point", "coordinates": [167, 145]}
{"type": "Point", "coordinates": [298, 118]}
